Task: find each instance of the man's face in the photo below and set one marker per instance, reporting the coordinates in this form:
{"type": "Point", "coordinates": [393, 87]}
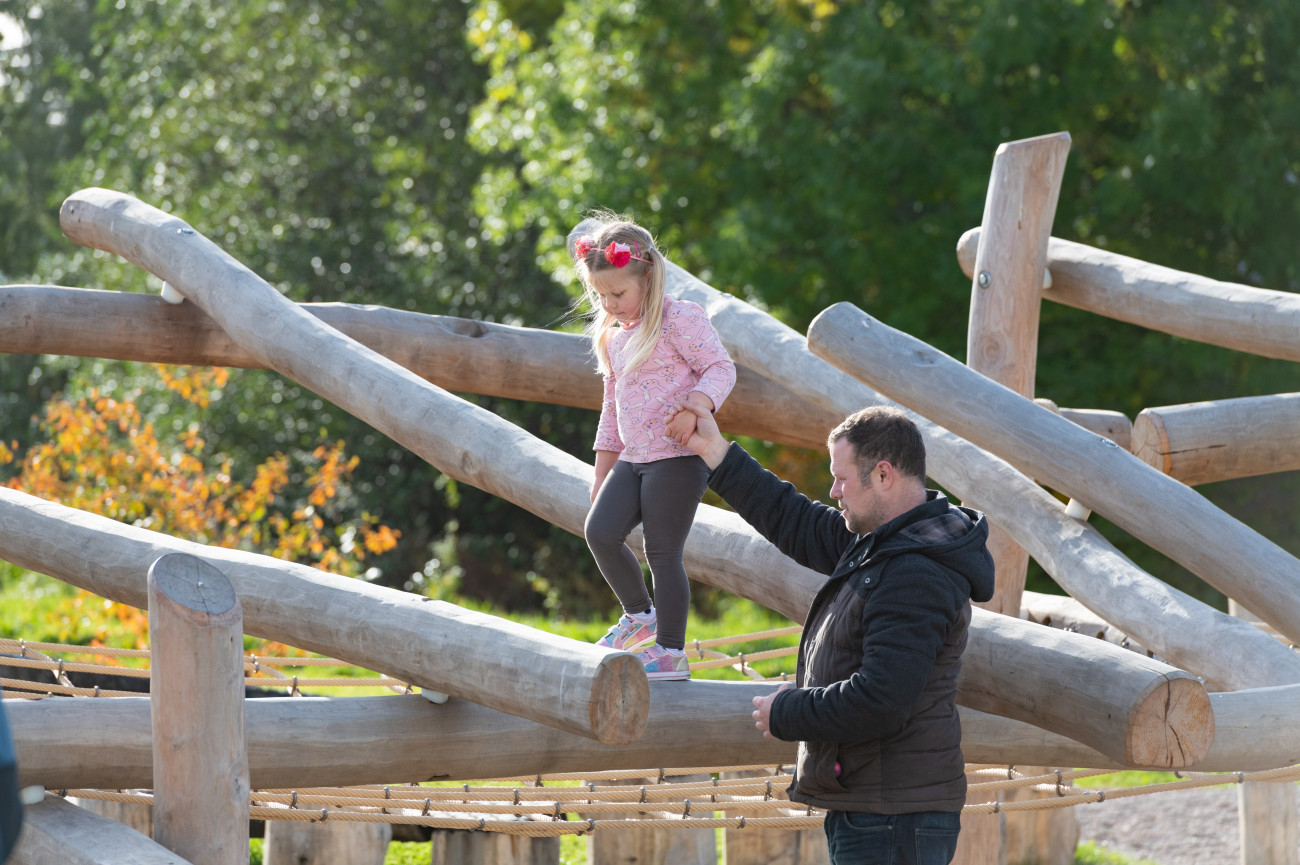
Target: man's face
{"type": "Point", "coordinates": [860, 502]}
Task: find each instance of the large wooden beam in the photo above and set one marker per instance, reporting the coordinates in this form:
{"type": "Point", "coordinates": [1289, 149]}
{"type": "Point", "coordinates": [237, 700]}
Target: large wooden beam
{"type": "Point", "coordinates": [1201, 442]}
{"type": "Point", "coordinates": [1254, 320]}
{"type": "Point", "coordinates": [1002, 331]}
{"type": "Point", "coordinates": [1168, 622]}
{"type": "Point", "coordinates": [55, 830]}
{"type": "Point", "coordinates": [575, 686]}
{"type": "Point", "coordinates": [465, 441]}
{"type": "Point", "coordinates": [458, 354]}
{"type": "Point", "coordinates": [1012, 666]}
{"type": "Point", "coordinates": [326, 741]}
{"type": "Point", "coordinates": [342, 741]}
{"type": "Point", "coordinates": [1255, 730]}
{"type": "Point", "coordinates": [1164, 513]}
{"type": "Point", "coordinates": [196, 703]}
{"type": "Point", "coordinates": [555, 486]}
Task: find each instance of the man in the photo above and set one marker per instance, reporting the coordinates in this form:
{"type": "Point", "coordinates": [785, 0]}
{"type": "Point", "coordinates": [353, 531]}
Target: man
{"type": "Point", "coordinates": [874, 709]}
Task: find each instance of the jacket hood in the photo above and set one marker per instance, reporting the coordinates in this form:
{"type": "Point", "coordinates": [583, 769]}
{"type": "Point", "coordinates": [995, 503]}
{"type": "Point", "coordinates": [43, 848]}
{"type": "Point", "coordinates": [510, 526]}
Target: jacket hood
{"type": "Point", "coordinates": [951, 535]}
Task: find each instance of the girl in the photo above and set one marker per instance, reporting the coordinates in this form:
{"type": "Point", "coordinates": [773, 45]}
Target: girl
{"type": "Point", "coordinates": [653, 350]}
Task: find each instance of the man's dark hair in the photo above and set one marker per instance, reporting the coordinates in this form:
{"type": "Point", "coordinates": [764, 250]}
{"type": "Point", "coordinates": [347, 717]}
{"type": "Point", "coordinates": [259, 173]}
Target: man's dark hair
{"type": "Point", "coordinates": [883, 433]}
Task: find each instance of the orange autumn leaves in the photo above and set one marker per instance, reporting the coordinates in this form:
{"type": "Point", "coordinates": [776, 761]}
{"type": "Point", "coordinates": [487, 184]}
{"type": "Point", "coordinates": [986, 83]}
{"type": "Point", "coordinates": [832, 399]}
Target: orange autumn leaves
{"type": "Point", "coordinates": [101, 455]}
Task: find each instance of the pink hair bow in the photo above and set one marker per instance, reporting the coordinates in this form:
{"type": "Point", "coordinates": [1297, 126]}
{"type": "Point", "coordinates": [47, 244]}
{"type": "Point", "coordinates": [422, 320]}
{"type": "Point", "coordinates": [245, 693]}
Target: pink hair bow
{"type": "Point", "coordinates": [617, 254]}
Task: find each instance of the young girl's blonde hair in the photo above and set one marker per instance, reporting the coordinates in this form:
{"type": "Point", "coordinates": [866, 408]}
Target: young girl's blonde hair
{"type": "Point", "coordinates": [596, 235]}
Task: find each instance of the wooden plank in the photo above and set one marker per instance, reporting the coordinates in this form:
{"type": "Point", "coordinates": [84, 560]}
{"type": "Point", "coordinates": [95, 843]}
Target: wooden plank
{"type": "Point", "coordinates": [57, 831]}
{"type": "Point", "coordinates": [1085, 564]}
{"type": "Point", "coordinates": [1160, 511]}
{"type": "Point", "coordinates": [1216, 440]}
{"type": "Point", "coordinates": [1254, 320]}
{"type": "Point", "coordinates": [430, 643]}
{"type": "Point", "coordinates": [458, 354]}
{"type": "Point", "coordinates": [196, 701]}
{"type": "Point", "coordinates": [1002, 331]}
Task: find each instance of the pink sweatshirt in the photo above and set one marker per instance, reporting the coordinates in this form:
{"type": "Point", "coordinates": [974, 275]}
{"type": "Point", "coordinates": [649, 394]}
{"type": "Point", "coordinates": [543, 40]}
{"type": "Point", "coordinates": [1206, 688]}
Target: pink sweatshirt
{"type": "Point", "coordinates": [688, 356]}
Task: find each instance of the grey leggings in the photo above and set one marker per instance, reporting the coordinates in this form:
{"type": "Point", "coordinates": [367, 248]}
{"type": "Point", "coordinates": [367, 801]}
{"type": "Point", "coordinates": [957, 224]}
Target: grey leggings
{"type": "Point", "coordinates": [662, 496]}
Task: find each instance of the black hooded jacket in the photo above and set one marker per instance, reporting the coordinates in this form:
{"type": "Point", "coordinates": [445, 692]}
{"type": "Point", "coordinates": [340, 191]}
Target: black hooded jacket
{"type": "Point", "coordinates": [881, 646]}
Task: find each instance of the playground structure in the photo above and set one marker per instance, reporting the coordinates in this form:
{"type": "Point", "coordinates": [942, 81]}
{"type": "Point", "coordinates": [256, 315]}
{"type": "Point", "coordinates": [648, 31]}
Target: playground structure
{"type": "Point", "coordinates": [1031, 695]}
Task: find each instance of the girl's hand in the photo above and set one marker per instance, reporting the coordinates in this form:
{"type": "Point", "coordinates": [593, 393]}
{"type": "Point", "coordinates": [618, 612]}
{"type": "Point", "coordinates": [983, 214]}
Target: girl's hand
{"type": "Point", "coordinates": [680, 427]}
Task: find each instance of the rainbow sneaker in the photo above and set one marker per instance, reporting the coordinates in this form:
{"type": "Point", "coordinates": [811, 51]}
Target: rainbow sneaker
{"type": "Point", "coordinates": [628, 635]}
{"type": "Point", "coordinates": [662, 665]}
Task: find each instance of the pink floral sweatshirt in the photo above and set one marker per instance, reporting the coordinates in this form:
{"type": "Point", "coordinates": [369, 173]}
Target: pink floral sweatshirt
{"type": "Point", "coordinates": [689, 356]}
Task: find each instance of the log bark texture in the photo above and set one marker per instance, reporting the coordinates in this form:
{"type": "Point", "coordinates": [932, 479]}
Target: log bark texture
{"type": "Point", "coordinates": [1203, 442]}
{"type": "Point", "coordinates": [1166, 514]}
{"type": "Point", "coordinates": [1254, 320]}
{"type": "Point", "coordinates": [1168, 622]}
{"type": "Point", "coordinates": [458, 354]}
{"type": "Point", "coordinates": [429, 643]}
{"type": "Point", "coordinates": [196, 698]}
{"type": "Point", "coordinates": [298, 742]}
{"type": "Point", "coordinates": [1010, 663]}
{"type": "Point", "coordinates": [1002, 331]}
{"type": "Point", "coordinates": [58, 831]}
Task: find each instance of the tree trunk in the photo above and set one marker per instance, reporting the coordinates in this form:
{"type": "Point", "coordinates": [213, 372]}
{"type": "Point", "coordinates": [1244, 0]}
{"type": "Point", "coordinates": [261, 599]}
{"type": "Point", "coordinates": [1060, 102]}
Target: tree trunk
{"type": "Point", "coordinates": [1222, 439]}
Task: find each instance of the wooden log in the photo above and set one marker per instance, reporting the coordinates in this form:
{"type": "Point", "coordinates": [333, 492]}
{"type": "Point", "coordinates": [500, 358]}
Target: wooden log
{"type": "Point", "coordinates": [1254, 730]}
{"type": "Point", "coordinates": [1079, 558]}
{"type": "Point", "coordinates": [1217, 440]}
{"type": "Point", "coordinates": [57, 831]}
{"type": "Point", "coordinates": [1160, 714]}
{"type": "Point", "coordinates": [1166, 514]}
{"type": "Point", "coordinates": [408, 636]}
{"type": "Point", "coordinates": [653, 845]}
{"type": "Point", "coordinates": [345, 741]}
{"type": "Point", "coordinates": [1113, 425]}
{"type": "Point", "coordinates": [456, 846]}
{"type": "Point", "coordinates": [1002, 331]}
{"type": "Point", "coordinates": [135, 815]}
{"type": "Point", "coordinates": [342, 842]}
{"type": "Point", "coordinates": [1064, 612]}
{"type": "Point", "coordinates": [458, 354]}
{"type": "Point", "coordinates": [196, 699]}
{"type": "Point", "coordinates": [1268, 822]}
{"type": "Point", "coordinates": [1254, 320]}
{"type": "Point", "coordinates": [1011, 665]}
{"type": "Point", "coordinates": [430, 643]}
{"type": "Point", "coordinates": [761, 846]}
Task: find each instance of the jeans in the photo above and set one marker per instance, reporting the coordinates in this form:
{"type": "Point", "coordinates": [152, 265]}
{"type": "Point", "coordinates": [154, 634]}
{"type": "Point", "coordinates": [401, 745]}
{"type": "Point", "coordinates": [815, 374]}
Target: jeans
{"type": "Point", "coordinates": [926, 838]}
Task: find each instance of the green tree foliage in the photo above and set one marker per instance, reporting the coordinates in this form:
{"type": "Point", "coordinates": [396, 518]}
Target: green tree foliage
{"type": "Point", "coordinates": [323, 145]}
{"type": "Point", "coordinates": [802, 152]}
{"type": "Point", "coordinates": [432, 155]}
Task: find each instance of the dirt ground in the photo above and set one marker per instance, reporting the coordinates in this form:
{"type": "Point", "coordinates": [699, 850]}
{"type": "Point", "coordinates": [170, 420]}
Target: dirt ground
{"type": "Point", "coordinates": [1184, 827]}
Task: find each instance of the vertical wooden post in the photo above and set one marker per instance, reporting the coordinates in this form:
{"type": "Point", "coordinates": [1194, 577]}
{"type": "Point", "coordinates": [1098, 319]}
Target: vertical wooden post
{"type": "Point", "coordinates": [750, 846]}
{"type": "Point", "coordinates": [1002, 334]}
{"type": "Point", "coordinates": [293, 842]}
{"type": "Point", "coordinates": [196, 700]}
{"type": "Point", "coordinates": [1267, 819]}
{"type": "Point", "coordinates": [652, 846]}
{"type": "Point", "coordinates": [1002, 343]}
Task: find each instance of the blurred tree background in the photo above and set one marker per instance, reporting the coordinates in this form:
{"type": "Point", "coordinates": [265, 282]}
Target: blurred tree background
{"type": "Point", "coordinates": [432, 155]}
